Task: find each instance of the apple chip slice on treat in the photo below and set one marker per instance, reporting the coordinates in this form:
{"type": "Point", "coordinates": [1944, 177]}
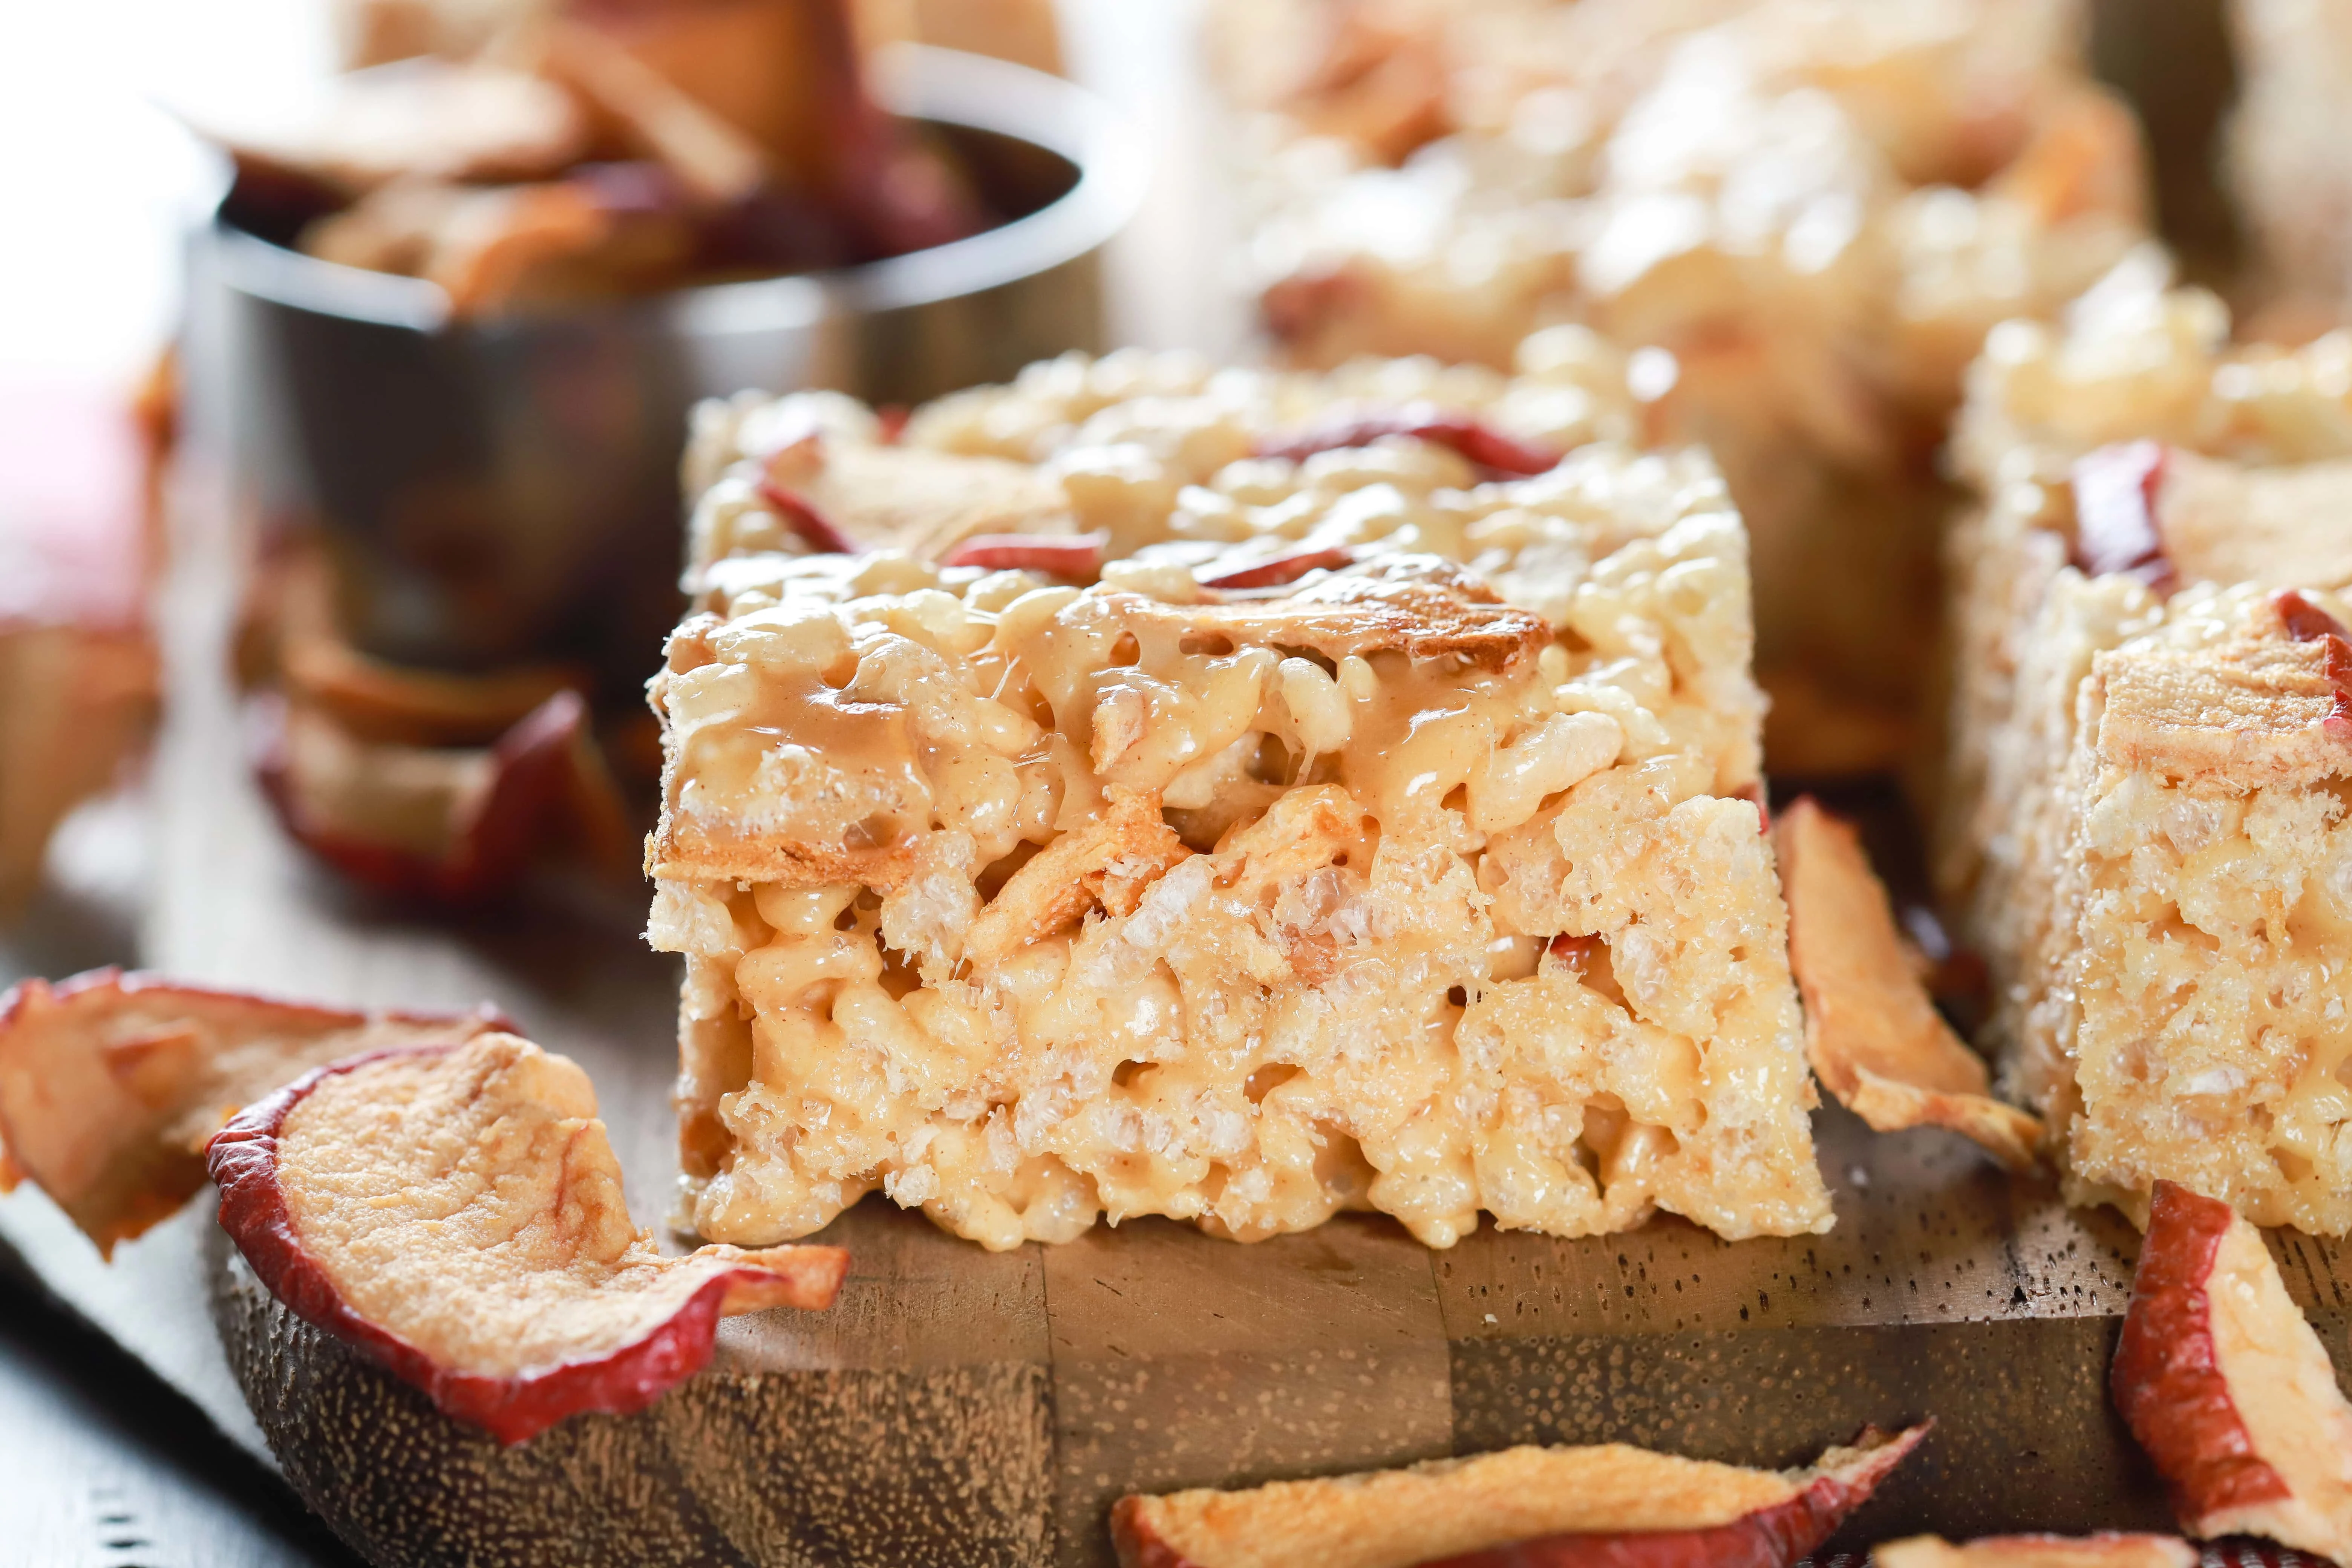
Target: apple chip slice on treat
{"type": "Point", "coordinates": [456, 1213]}
{"type": "Point", "coordinates": [2105, 1550]}
{"type": "Point", "coordinates": [2227, 1387]}
{"type": "Point", "coordinates": [110, 1083]}
{"type": "Point", "coordinates": [1875, 1039]}
{"type": "Point", "coordinates": [1606, 1507]}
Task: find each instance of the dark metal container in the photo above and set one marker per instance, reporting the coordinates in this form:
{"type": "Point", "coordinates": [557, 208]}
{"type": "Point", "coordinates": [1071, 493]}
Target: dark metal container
{"type": "Point", "coordinates": [504, 489]}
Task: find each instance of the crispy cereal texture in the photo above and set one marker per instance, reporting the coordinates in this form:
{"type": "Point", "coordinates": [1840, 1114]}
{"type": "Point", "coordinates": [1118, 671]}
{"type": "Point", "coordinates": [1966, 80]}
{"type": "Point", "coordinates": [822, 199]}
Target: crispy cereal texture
{"type": "Point", "coordinates": [2150, 745]}
{"type": "Point", "coordinates": [2208, 889]}
{"type": "Point", "coordinates": [1415, 874]}
{"type": "Point", "coordinates": [1934, 170]}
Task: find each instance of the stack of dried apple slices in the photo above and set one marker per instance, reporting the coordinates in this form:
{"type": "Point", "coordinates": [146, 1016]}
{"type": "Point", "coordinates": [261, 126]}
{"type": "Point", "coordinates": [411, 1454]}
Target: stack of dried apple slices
{"type": "Point", "coordinates": [427, 785]}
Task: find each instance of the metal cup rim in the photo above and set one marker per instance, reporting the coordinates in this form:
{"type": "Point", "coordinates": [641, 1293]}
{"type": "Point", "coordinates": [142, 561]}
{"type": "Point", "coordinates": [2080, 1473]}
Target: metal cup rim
{"type": "Point", "coordinates": [950, 87]}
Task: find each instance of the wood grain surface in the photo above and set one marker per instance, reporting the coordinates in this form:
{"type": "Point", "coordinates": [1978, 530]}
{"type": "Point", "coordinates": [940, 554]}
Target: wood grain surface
{"type": "Point", "coordinates": [99, 1467]}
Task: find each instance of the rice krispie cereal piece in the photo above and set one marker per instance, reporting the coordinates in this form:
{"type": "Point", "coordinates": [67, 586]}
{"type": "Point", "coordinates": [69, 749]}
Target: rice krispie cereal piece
{"type": "Point", "coordinates": [1813, 209]}
{"type": "Point", "coordinates": [2289, 173]}
{"type": "Point", "coordinates": [1222, 846]}
{"type": "Point", "coordinates": [2152, 741]}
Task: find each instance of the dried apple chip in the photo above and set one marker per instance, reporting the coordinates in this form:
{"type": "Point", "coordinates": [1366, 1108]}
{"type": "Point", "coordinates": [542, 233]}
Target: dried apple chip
{"type": "Point", "coordinates": [444, 823]}
{"type": "Point", "coordinates": [1606, 1507]}
{"type": "Point", "coordinates": [110, 1083]}
{"type": "Point", "coordinates": [2225, 1384]}
{"type": "Point", "coordinates": [423, 117]}
{"type": "Point", "coordinates": [292, 639]}
{"type": "Point", "coordinates": [456, 1213]}
{"type": "Point", "coordinates": [1876, 1040]}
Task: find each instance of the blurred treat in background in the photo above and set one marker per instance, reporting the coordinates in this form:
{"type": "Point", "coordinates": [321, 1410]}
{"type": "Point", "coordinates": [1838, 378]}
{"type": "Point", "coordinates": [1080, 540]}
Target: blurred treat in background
{"type": "Point", "coordinates": [2288, 161]}
{"type": "Point", "coordinates": [1809, 211]}
{"type": "Point", "coordinates": [79, 482]}
{"type": "Point", "coordinates": [377, 32]}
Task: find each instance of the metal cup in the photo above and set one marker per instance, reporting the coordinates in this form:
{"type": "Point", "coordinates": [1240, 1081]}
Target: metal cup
{"type": "Point", "coordinates": [505, 490]}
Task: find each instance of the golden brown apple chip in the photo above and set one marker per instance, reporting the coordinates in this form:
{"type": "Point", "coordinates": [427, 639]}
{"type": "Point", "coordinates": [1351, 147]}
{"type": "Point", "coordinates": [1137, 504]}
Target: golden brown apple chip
{"type": "Point", "coordinates": [2227, 1385]}
{"type": "Point", "coordinates": [716, 161]}
{"type": "Point", "coordinates": [1877, 1041]}
{"type": "Point", "coordinates": [1522, 1508]}
{"type": "Point", "coordinates": [1110, 862]}
{"type": "Point", "coordinates": [447, 824]}
{"type": "Point", "coordinates": [435, 119]}
{"type": "Point", "coordinates": [293, 642]}
{"type": "Point", "coordinates": [110, 1083]}
{"type": "Point", "coordinates": [454, 1212]}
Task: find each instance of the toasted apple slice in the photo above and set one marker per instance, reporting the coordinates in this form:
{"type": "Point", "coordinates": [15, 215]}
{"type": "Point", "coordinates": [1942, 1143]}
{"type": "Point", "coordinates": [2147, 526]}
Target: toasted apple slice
{"type": "Point", "coordinates": [604, 229]}
{"type": "Point", "coordinates": [1482, 444]}
{"type": "Point", "coordinates": [290, 638]}
{"type": "Point", "coordinates": [2226, 1385]}
{"type": "Point", "coordinates": [472, 123]}
{"type": "Point", "coordinates": [717, 161]}
{"type": "Point", "coordinates": [1877, 1041]}
{"type": "Point", "coordinates": [786, 75]}
{"type": "Point", "coordinates": [1523, 1508]}
{"type": "Point", "coordinates": [909, 497]}
{"type": "Point", "coordinates": [110, 1083]}
{"type": "Point", "coordinates": [456, 1213]}
{"type": "Point", "coordinates": [446, 824]}
{"type": "Point", "coordinates": [2103, 1549]}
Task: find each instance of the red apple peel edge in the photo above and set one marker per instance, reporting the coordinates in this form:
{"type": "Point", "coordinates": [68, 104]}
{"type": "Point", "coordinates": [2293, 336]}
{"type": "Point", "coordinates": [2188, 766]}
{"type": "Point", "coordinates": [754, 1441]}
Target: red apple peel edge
{"type": "Point", "coordinates": [1282, 570]}
{"type": "Point", "coordinates": [1060, 554]}
{"type": "Point", "coordinates": [816, 530]}
{"type": "Point", "coordinates": [530, 773]}
{"type": "Point", "coordinates": [2307, 622]}
{"type": "Point", "coordinates": [242, 1159]}
{"type": "Point", "coordinates": [2165, 1381]}
{"type": "Point", "coordinates": [23, 1004]}
{"type": "Point", "coordinates": [2116, 489]}
{"type": "Point", "coordinates": [1464, 434]}
{"type": "Point", "coordinates": [1775, 1537]}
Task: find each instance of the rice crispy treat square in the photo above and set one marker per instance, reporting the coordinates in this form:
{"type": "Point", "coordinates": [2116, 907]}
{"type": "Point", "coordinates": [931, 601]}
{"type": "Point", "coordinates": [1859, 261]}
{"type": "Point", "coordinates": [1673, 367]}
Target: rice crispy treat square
{"type": "Point", "coordinates": [1351, 828]}
{"type": "Point", "coordinates": [2146, 828]}
{"type": "Point", "coordinates": [1812, 211]}
{"type": "Point", "coordinates": [2287, 168]}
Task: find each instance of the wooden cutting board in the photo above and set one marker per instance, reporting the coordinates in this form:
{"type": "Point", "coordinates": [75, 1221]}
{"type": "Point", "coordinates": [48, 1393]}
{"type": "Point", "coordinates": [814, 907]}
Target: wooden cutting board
{"type": "Point", "coordinates": [965, 1407]}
